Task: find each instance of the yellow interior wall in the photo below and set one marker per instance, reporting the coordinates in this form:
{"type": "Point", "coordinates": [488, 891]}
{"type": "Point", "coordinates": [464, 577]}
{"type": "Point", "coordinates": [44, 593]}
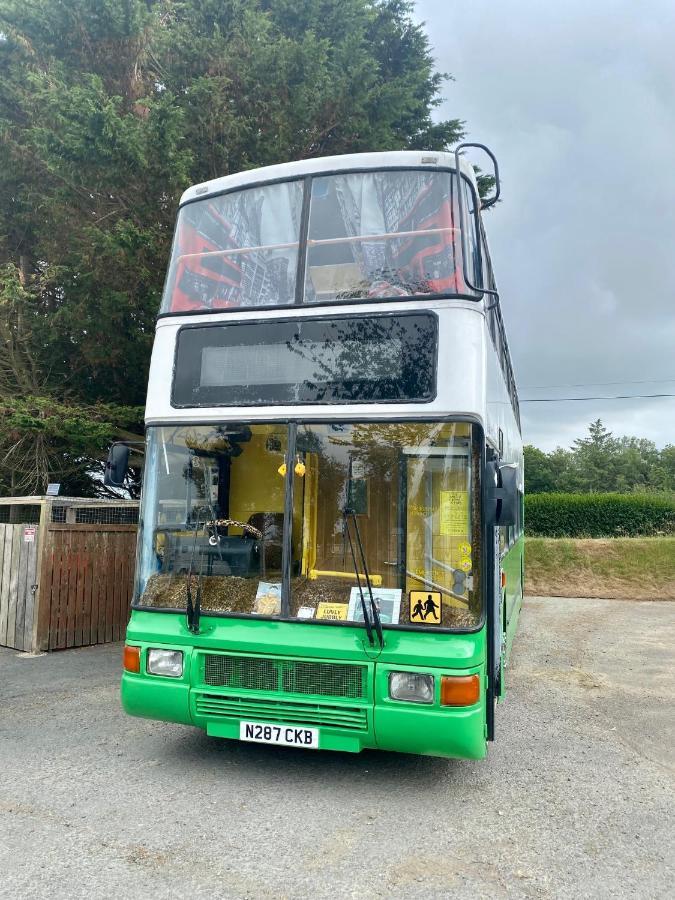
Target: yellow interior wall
{"type": "Point", "coordinates": [255, 483]}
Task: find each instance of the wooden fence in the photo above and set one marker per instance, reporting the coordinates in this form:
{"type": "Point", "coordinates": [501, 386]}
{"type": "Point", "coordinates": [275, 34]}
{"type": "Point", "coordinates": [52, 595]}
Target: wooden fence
{"type": "Point", "coordinates": [66, 581]}
{"type": "Point", "coordinates": [18, 585]}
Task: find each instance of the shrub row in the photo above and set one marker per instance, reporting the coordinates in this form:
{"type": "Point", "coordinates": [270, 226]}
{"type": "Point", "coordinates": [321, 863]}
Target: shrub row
{"type": "Point", "coordinates": [599, 515]}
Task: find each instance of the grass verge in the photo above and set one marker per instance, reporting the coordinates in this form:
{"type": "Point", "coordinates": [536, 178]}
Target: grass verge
{"type": "Point", "coordinates": [622, 568]}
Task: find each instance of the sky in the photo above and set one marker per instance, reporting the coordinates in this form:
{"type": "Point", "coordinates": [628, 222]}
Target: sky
{"type": "Point", "coordinates": [577, 101]}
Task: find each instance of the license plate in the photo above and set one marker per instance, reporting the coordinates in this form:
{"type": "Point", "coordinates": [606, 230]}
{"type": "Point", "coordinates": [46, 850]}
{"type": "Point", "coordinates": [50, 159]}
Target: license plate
{"type": "Point", "coordinates": [286, 735]}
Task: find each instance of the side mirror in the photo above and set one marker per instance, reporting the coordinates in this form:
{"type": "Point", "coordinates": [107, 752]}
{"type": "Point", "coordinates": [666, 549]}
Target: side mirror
{"type": "Point", "coordinates": [117, 466]}
{"type": "Point", "coordinates": [501, 507]}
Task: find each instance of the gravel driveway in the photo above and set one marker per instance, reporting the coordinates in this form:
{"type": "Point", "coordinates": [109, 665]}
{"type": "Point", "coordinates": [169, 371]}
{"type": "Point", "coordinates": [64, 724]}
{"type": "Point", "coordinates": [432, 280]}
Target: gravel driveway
{"type": "Point", "coordinates": [576, 798]}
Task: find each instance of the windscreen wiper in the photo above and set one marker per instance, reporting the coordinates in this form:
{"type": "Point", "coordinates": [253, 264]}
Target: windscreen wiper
{"type": "Point", "coordinates": [364, 609]}
{"type": "Point", "coordinates": [373, 605]}
{"type": "Point", "coordinates": [193, 608]}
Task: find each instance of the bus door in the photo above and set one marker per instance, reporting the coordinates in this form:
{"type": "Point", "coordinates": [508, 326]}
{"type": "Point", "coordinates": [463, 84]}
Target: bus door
{"type": "Point", "coordinates": [439, 530]}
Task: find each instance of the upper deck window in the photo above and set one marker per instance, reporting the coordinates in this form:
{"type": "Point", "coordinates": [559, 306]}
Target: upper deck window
{"type": "Point", "coordinates": [236, 250]}
{"type": "Point", "coordinates": [382, 234]}
{"type": "Point", "coordinates": [369, 235]}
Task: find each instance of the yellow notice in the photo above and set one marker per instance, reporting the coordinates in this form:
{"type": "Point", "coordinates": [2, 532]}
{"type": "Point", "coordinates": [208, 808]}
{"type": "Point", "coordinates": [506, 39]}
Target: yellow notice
{"type": "Point", "coordinates": [454, 513]}
{"type": "Point", "coordinates": [425, 607]}
{"type": "Point", "coordinates": [335, 611]}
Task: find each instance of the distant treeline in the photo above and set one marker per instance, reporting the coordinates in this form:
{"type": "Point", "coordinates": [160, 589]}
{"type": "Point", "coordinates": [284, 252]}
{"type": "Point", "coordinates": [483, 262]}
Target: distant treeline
{"type": "Point", "coordinates": [601, 463]}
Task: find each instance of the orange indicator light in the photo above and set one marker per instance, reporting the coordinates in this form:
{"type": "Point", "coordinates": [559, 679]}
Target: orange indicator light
{"type": "Point", "coordinates": [503, 579]}
{"type": "Point", "coordinates": [132, 659]}
{"type": "Point", "coordinates": [460, 690]}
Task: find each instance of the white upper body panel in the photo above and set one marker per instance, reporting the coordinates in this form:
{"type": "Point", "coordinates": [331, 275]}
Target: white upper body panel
{"type": "Point", "coordinates": [499, 416]}
{"type": "Point", "coordinates": [469, 379]}
{"type": "Point", "coordinates": [387, 160]}
{"type": "Point", "coordinates": [461, 383]}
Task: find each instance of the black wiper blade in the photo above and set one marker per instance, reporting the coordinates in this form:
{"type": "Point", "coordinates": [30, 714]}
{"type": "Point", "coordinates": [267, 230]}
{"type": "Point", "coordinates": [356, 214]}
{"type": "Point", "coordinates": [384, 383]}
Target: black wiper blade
{"type": "Point", "coordinates": [373, 605]}
{"type": "Point", "coordinates": [193, 608]}
{"type": "Point", "coordinates": [364, 609]}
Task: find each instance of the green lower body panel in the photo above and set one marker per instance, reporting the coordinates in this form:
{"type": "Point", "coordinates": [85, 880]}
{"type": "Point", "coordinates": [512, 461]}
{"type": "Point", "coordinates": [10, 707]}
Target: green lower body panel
{"type": "Point", "coordinates": [156, 698]}
{"type": "Point", "coordinates": [454, 733]}
{"type": "Point", "coordinates": [383, 724]}
{"type": "Point", "coordinates": [341, 694]}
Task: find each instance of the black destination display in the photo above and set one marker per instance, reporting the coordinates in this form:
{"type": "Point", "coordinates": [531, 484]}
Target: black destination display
{"type": "Point", "coordinates": [346, 359]}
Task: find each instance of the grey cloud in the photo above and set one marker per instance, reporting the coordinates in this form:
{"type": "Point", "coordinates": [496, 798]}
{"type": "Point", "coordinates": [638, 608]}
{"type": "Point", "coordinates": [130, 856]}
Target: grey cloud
{"type": "Point", "coordinates": [576, 99]}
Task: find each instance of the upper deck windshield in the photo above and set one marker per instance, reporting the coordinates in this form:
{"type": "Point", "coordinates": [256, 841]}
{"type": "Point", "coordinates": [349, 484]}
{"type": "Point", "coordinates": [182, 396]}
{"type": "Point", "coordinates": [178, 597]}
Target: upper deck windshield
{"type": "Point", "coordinates": [369, 235]}
{"type": "Point", "coordinates": [223, 515]}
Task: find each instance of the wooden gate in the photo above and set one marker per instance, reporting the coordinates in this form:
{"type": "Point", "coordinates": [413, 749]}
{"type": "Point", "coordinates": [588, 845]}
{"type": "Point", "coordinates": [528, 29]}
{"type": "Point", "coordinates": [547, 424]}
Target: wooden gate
{"type": "Point", "coordinates": [18, 584]}
{"type": "Point", "coordinates": [66, 571]}
{"type": "Point", "coordinates": [86, 582]}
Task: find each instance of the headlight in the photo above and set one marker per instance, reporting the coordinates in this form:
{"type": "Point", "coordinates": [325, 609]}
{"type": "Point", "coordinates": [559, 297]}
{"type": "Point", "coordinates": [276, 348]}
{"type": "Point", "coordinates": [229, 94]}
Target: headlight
{"type": "Point", "coordinates": [411, 686]}
{"type": "Point", "coordinates": [165, 662]}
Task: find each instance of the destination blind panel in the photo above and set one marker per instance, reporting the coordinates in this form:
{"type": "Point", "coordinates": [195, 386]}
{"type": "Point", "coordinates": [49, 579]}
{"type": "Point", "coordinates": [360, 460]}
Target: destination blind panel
{"type": "Point", "coordinates": [357, 359]}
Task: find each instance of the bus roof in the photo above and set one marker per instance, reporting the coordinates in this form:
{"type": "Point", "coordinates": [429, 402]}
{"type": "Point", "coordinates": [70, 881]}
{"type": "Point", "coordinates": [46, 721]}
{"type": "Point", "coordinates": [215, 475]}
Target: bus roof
{"type": "Point", "coordinates": [329, 164]}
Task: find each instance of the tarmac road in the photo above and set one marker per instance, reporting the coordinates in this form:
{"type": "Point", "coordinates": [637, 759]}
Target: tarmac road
{"type": "Point", "coordinates": [575, 800]}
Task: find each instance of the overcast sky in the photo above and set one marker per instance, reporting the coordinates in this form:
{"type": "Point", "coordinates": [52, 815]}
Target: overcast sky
{"type": "Point", "coordinates": [577, 100]}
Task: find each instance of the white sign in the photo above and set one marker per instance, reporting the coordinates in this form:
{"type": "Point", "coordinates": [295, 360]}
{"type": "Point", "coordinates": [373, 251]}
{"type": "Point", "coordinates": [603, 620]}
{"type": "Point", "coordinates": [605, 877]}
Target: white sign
{"type": "Point", "coordinates": [275, 733]}
{"type": "Point", "coordinates": [53, 489]}
{"type": "Point", "coordinates": [387, 600]}
{"type": "Point", "coordinates": [29, 534]}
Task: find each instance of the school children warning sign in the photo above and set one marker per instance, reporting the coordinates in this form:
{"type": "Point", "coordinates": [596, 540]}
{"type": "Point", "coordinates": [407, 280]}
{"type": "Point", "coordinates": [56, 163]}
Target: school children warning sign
{"type": "Point", "coordinates": [426, 607]}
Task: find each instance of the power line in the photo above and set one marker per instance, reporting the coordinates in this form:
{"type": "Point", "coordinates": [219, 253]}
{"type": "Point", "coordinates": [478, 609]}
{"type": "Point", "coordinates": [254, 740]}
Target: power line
{"type": "Point", "coordinates": [572, 399]}
{"type": "Point", "coordinates": [536, 387]}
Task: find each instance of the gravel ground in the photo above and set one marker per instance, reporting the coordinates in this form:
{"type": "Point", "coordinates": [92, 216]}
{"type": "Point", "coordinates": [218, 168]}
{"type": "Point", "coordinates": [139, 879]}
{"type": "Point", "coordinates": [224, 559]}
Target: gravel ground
{"type": "Point", "coordinates": [575, 799]}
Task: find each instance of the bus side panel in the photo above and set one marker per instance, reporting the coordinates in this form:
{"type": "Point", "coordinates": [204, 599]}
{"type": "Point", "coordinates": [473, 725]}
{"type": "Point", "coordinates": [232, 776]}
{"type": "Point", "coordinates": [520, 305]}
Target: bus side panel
{"type": "Point", "coordinates": [512, 565]}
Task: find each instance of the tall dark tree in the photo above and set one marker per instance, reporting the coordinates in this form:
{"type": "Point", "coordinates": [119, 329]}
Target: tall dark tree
{"type": "Point", "coordinates": [108, 110]}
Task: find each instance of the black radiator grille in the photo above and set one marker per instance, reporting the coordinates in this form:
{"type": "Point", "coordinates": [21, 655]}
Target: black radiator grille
{"type": "Point", "coordinates": [288, 676]}
{"type": "Point", "coordinates": [302, 713]}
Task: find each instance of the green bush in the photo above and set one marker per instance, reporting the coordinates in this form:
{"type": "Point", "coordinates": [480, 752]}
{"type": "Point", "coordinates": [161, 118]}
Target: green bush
{"type": "Point", "coordinates": [599, 515]}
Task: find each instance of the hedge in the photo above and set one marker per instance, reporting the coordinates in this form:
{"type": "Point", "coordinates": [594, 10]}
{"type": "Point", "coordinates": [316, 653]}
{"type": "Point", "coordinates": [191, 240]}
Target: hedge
{"type": "Point", "coordinates": [599, 515]}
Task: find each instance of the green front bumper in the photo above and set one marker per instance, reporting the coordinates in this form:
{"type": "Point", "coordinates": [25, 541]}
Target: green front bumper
{"type": "Point", "coordinates": [350, 716]}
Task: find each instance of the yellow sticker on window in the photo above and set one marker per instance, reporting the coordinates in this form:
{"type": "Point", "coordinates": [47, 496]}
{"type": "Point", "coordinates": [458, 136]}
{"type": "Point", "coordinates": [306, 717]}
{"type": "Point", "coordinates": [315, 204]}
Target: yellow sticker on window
{"type": "Point", "coordinates": [464, 548]}
{"type": "Point", "coordinates": [335, 611]}
{"type": "Point", "coordinates": [465, 564]}
{"type": "Point", "coordinates": [426, 607]}
{"type": "Point", "coordinates": [454, 513]}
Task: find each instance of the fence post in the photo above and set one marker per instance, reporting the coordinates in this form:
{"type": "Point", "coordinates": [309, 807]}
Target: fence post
{"type": "Point", "coordinates": [41, 608]}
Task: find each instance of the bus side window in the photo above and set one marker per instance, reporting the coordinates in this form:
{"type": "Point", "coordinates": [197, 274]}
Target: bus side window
{"type": "Point", "coordinates": [473, 260]}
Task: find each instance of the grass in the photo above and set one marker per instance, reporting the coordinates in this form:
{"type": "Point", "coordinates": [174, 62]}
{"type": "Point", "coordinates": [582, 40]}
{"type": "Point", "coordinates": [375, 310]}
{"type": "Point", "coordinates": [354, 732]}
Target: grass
{"type": "Point", "coordinates": [623, 568]}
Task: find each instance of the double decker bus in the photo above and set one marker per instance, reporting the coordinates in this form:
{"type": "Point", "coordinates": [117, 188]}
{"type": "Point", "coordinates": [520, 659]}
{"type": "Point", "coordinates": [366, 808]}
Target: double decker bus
{"type": "Point", "coordinates": [330, 549]}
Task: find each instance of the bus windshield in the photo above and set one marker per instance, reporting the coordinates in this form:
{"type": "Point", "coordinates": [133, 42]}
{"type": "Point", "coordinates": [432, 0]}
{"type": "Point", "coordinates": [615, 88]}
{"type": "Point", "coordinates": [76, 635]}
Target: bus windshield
{"type": "Point", "coordinates": [369, 235]}
{"type": "Point", "coordinates": [222, 513]}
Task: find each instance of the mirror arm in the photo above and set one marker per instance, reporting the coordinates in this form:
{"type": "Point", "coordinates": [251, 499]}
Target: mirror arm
{"type": "Point", "coordinates": [462, 216]}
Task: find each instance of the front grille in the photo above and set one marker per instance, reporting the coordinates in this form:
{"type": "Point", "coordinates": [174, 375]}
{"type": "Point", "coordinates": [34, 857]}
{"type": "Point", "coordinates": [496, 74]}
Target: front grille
{"type": "Point", "coordinates": [287, 676]}
{"type": "Point", "coordinates": [241, 672]}
{"type": "Point", "coordinates": [224, 707]}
